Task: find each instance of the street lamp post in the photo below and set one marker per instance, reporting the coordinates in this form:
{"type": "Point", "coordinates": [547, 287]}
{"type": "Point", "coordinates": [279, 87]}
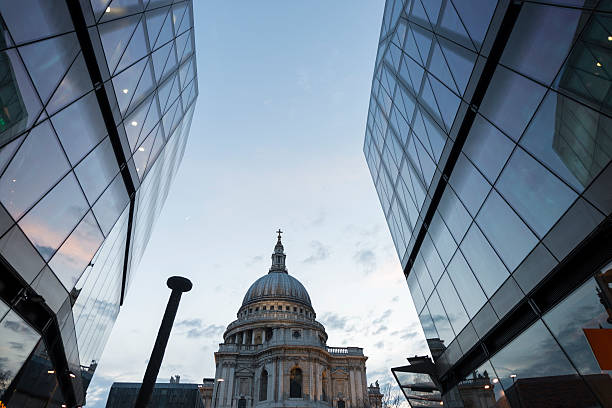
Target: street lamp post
{"type": "Point", "coordinates": [220, 380]}
{"type": "Point", "coordinates": [178, 285]}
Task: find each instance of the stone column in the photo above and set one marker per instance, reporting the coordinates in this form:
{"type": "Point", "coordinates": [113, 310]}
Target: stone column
{"type": "Point", "coordinates": [281, 376]}
{"type": "Point", "coordinates": [230, 388]}
{"type": "Point", "coordinates": [311, 387]}
{"type": "Point", "coordinates": [244, 337]}
{"type": "Point", "coordinates": [352, 386]}
{"type": "Point", "coordinates": [275, 380]}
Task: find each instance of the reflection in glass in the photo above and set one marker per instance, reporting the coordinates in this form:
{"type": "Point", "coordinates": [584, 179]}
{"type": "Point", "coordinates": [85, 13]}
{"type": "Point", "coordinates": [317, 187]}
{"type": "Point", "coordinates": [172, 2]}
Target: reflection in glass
{"type": "Point", "coordinates": [485, 263]}
{"type": "Point", "coordinates": [534, 370]}
{"type": "Point", "coordinates": [17, 339]}
{"type": "Point", "coordinates": [76, 252]}
{"type": "Point", "coordinates": [52, 219]}
{"type": "Point", "coordinates": [535, 193]}
{"type": "Point", "coordinates": [506, 231]}
{"type": "Point", "coordinates": [38, 164]}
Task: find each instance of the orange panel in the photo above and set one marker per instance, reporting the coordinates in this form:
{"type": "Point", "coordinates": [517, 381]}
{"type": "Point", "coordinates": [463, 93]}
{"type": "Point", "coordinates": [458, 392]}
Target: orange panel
{"type": "Point", "coordinates": [601, 344]}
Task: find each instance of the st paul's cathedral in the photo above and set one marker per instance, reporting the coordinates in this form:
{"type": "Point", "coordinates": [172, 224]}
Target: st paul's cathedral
{"type": "Point", "coordinates": [275, 354]}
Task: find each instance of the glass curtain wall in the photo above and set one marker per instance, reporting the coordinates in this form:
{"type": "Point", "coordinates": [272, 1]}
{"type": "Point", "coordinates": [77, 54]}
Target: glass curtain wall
{"type": "Point", "coordinates": [96, 103]}
{"type": "Point", "coordinates": [489, 143]}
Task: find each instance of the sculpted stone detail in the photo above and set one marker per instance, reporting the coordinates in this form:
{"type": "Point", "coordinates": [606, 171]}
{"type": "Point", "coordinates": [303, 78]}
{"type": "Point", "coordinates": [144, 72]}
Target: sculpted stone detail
{"type": "Point", "coordinates": [300, 370]}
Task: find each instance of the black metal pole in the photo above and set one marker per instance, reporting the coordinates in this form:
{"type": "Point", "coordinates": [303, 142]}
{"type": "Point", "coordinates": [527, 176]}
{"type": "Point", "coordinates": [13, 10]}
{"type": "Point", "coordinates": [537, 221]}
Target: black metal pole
{"type": "Point", "coordinates": [178, 285]}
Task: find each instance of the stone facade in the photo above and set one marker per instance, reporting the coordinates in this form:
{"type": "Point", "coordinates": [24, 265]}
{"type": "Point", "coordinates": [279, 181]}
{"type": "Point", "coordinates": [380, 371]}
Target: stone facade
{"type": "Point", "coordinates": [276, 355]}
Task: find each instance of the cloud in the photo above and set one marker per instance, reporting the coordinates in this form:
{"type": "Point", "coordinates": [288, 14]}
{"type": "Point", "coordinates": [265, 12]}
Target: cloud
{"type": "Point", "coordinates": [197, 329]}
{"type": "Point", "coordinates": [379, 345]}
{"type": "Point", "coordinates": [334, 321]}
{"type": "Point", "coordinates": [383, 317]}
{"type": "Point", "coordinates": [190, 323]}
{"type": "Point", "coordinates": [319, 219]}
{"type": "Point", "coordinates": [395, 299]}
{"type": "Point", "coordinates": [366, 258]}
{"type": "Point", "coordinates": [409, 334]}
{"type": "Point", "coordinates": [254, 260]}
{"type": "Point", "coordinates": [380, 329]}
{"type": "Point", "coordinates": [319, 252]}
{"type": "Point", "coordinates": [16, 345]}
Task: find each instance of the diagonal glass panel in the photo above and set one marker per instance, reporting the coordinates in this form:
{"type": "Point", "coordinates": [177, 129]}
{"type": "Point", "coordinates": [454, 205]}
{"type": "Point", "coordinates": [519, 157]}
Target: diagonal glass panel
{"type": "Point", "coordinates": [505, 230]}
{"type": "Point", "coordinates": [110, 205]}
{"type": "Point", "coordinates": [423, 40]}
{"type": "Point", "coordinates": [52, 219]}
{"type": "Point", "coordinates": [537, 195]}
{"type": "Point", "coordinates": [115, 37]}
{"type": "Point", "coordinates": [178, 11]}
{"type": "Point", "coordinates": [440, 69]}
{"type": "Point", "coordinates": [418, 13]}
{"type": "Point", "coordinates": [432, 8]}
{"type": "Point", "coordinates": [185, 21]}
{"type": "Point", "coordinates": [76, 83]}
{"type": "Point", "coordinates": [121, 8]}
{"type": "Point", "coordinates": [452, 28]}
{"type": "Point", "coordinates": [462, 61]}
{"type": "Point", "coordinates": [125, 82]}
{"type": "Point", "coordinates": [97, 170]}
{"type": "Point", "coordinates": [151, 120]}
{"type": "Point", "coordinates": [154, 20]}
{"type": "Point", "coordinates": [141, 155]}
{"type": "Point", "coordinates": [75, 253]}
{"type": "Point", "coordinates": [188, 47]}
{"type": "Point", "coordinates": [99, 7]}
{"type": "Point", "coordinates": [133, 123]}
{"type": "Point", "coordinates": [38, 164]}
{"type": "Point", "coordinates": [43, 18]}
{"type": "Point", "coordinates": [165, 33]}
{"type": "Point", "coordinates": [476, 16]}
{"type": "Point", "coordinates": [159, 58]}
{"type": "Point", "coordinates": [447, 100]}
{"type": "Point", "coordinates": [80, 127]}
{"type": "Point", "coordinates": [135, 50]}
{"type": "Point", "coordinates": [48, 60]}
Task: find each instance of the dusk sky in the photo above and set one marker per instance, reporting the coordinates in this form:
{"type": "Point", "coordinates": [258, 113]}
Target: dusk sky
{"type": "Point", "coordinates": [276, 142]}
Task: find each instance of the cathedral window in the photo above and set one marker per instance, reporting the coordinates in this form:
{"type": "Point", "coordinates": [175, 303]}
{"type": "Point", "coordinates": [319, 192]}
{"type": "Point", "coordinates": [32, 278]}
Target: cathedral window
{"type": "Point", "coordinates": [301, 310]}
{"type": "Point", "coordinates": [257, 309]}
{"type": "Point", "coordinates": [341, 404]}
{"type": "Point", "coordinates": [263, 386]}
{"type": "Point", "coordinates": [294, 309]}
{"type": "Point", "coordinates": [264, 308]}
{"type": "Point", "coordinates": [272, 307]}
{"type": "Point", "coordinates": [295, 383]}
{"type": "Point", "coordinates": [242, 403]}
{"type": "Point", "coordinates": [324, 386]}
{"type": "Point", "coordinates": [287, 308]}
{"type": "Point", "coordinates": [297, 334]}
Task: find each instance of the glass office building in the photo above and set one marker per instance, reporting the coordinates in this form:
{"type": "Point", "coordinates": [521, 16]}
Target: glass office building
{"type": "Point", "coordinates": [489, 141]}
{"type": "Point", "coordinates": [96, 102]}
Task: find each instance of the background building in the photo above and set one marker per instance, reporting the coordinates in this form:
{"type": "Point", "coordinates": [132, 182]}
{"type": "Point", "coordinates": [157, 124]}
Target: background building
{"type": "Point", "coordinates": [165, 395]}
{"type": "Point", "coordinates": [96, 101]}
{"type": "Point", "coordinates": [275, 354]}
{"type": "Point", "coordinates": [489, 142]}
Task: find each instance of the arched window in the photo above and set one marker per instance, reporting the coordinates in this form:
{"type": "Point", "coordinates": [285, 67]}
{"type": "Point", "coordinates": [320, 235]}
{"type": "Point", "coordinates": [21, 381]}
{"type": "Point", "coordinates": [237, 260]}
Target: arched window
{"type": "Point", "coordinates": [295, 383]}
{"type": "Point", "coordinates": [263, 386]}
{"type": "Point", "coordinates": [341, 404]}
{"type": "Point", "coordinates": [242, 403]}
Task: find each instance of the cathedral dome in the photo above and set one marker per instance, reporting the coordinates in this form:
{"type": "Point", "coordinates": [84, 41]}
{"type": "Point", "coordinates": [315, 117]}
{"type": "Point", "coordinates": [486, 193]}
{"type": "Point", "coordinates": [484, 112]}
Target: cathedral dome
{"type": "Point", "coordinates": [277, 284]}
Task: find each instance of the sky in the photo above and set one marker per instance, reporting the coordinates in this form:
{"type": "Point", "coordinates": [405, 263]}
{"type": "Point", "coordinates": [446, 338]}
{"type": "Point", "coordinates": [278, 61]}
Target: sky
{"type": "Point", "coordinates": [276, 142]}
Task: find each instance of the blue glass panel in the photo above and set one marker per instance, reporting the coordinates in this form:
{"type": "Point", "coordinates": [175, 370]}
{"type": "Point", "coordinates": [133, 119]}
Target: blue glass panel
{"type": "Point", "coordinates": [535, 193]}
{"type": "Point", "coordinates": [506, 231]}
